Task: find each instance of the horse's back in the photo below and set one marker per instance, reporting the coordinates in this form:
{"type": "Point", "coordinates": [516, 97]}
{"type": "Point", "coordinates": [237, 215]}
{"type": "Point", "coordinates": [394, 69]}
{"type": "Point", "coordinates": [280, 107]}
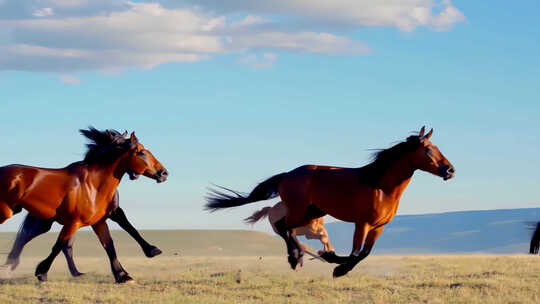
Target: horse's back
{"type": "Point", "coordinates": [16, 176]}
{"type": "Point", "coordinates": [38, 190]}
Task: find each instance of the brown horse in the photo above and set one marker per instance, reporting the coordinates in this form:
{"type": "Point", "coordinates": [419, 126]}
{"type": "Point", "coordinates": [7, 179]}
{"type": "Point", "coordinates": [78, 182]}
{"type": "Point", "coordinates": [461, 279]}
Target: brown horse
{"type": "Point", "coordinates": [33, 227]}
{"type": "Point", "coordinates": [367, 196]}
{"type": "Point", "coordinates": [80, 194]}
{"type": "Point", "coordinates": [314, 230]}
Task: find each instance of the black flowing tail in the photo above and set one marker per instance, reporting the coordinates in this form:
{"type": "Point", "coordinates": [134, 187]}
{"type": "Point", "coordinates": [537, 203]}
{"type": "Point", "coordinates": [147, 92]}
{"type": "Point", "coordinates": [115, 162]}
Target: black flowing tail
{"type": "Point", "coordinates": [535, 241]}
{"type": "Point", "coordinates": [29, 229]}
{"type": "Point", "coordinates": [265, 190]}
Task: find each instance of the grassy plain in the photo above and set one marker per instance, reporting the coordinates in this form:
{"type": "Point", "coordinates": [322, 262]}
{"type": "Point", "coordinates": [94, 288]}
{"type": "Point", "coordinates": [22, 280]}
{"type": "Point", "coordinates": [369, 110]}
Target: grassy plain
{"type": "Point", "coordinates": [265, 278]}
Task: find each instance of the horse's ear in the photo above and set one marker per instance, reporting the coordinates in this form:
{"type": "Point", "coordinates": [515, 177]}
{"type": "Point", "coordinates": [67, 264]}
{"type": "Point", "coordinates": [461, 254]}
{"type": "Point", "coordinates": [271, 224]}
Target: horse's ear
{"type": "Point", "coordinates": [124, 134]}
{"type": "Point", "coordinates": [428, 135]}
{"type": "Point", "coordinates": [108, 134]}
{"type": "Point", "coordinates": [422, 131]}
{"type": "Point", "coordinates": [133, 140]}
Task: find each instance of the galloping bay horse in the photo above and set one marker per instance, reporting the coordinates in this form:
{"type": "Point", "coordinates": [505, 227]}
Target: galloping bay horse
{"type": "Point", "coordinates": [80, 194]}
{"type": "Point", "coordinates": [367, 196]}
{"type": "Point", "coordinates": [33, 227]}
{"type": "Point", "coordinates": [314, 230]}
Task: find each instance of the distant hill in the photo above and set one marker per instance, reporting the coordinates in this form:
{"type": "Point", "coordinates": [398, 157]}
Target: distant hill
{"type": "Point", "coordinates": [171, 242]}
{"type": "Point", "coordinates": [489, 231]}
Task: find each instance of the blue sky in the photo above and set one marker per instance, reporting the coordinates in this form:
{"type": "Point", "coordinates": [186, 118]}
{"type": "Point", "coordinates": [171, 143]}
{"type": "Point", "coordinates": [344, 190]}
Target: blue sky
{"type": "Point", "coordinates": [234, 93]}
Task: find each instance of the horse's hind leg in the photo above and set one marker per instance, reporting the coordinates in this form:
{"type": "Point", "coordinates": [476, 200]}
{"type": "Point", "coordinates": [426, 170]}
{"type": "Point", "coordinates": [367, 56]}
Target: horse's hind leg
{"type": "Point", "coordinates": [293, 247]}
{"type": "Point", "coordinates": [65, 234]}
{"type": "Point", "coordinates": [68, 253]}
{"type": "Point", "coordinates": [326, 242]}
{"type": "Point", "coordinates": [298, 215]}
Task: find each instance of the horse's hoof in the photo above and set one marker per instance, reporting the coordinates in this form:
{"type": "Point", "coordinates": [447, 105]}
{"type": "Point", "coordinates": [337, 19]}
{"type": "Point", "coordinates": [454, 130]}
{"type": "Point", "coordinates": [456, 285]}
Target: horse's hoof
{"type": "Point", "coordinates": [341, 270]}
{"type": "Point", "coordinates": [293, 262]}
{"type": "Point", "coordinates": [42, 277]}
{"type": "Point", "coordinates": [300, 262]}
{"type": "Point", "coordinates": [78, 274]}
{"type": "Point", "coordinates": [329, 256]}
{"type": "Point", "coordinates": [152, 252]}
{"type": "Point", "coordinates": [13, 263]}
{"type": "Point", "coordinates": [125, 279]}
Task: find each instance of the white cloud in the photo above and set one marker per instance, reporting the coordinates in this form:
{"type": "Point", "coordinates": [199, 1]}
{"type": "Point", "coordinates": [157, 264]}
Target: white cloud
{"type": "Point", "coordinates": [308, 42]}
{"type": "Point", "coordinates": [259, 62]}
{"type": "Point", "coordinates": [448, 17]}
{"type": "Point", "coordinates": [74, 35]}
{"type": "Point", "coordinates": [70, 79]}
{"type": "Point", "coordinates": [44, 12]}
{"type": "Point", "coordinates": [406, 15]}
{"type": "Point", "coordinates": [69, 3]}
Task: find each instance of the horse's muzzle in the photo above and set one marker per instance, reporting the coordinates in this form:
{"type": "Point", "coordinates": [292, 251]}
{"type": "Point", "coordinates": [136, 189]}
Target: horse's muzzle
{"type": "Point", "coordinates": [161, 175]}
{"type": "Point", "coordinates": [447, 171]}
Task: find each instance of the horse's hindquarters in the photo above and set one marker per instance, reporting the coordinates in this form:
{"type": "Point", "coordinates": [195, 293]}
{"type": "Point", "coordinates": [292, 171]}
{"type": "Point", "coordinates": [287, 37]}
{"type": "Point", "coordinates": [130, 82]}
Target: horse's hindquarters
{"type": "Point", "coordinates": [5, 212]}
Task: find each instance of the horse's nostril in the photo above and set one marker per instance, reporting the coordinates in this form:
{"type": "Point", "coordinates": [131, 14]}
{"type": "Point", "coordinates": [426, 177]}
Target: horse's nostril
{"type": "Point", "coordinates": [164, 173]}
{"type": "Point", "coordinates": [451, 170]}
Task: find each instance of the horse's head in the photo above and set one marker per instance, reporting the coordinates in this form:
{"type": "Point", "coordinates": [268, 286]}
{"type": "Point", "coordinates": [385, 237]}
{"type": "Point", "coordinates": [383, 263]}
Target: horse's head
{"type": "Point", "coordinates": [427, 157]}
{"type": "Point", "coordinates": [140, 160]}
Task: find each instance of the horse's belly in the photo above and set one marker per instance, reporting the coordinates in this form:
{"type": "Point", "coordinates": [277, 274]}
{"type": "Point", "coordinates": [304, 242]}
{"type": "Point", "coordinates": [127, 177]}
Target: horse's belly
{"type": "Point", "coordinates": [39, 209]}
{"type": "Point", "coordinates": [343, 209]}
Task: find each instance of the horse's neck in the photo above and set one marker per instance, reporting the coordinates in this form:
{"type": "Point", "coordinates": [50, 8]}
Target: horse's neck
{"type": "Point", "coordinates": [109, 177]}
{"type": "Point", "coordinates": [396, 178]}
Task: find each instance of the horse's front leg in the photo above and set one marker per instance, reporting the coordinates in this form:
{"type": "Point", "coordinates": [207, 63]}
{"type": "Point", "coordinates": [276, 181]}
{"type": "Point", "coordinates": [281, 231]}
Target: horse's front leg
{"type": "Point", "coordinates": [360, 233]}
{"type": "Point", "coordinates": [65, 234]}
{"type": "Point", "coordinates": [102, 231]}
{"type": "Point", "coordinates": [68, 253]}
{"type": "Point", "coordinates": [119, 217]}
{"type": "Point", "coordinates": [361, 248]}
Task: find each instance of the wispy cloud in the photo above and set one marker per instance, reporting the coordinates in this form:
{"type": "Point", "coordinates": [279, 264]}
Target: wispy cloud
{"type": "Point", "coordinates": [259, 62]}
{"type": "Point", "coordinates": [43, 12]}
{"type": "Point", "coordinates": [70, 79]}
{"type": "Point", "coordinates": [68, 36]}
{"type": "Point", "coordinates": [405, 15]}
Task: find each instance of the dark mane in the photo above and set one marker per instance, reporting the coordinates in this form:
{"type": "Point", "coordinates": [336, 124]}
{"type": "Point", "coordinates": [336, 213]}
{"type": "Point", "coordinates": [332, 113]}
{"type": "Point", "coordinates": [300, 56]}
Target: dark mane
{"type": "Point", "coordinates": [105, 146]}
{"type": "Point", "coordinates": [383, 159]}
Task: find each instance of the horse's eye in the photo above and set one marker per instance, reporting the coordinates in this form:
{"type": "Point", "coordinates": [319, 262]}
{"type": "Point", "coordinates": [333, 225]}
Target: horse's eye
{"type": "Point", "coordinates": [141, 152]}
{"type": "Point", "coordinates": [428, 151]}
